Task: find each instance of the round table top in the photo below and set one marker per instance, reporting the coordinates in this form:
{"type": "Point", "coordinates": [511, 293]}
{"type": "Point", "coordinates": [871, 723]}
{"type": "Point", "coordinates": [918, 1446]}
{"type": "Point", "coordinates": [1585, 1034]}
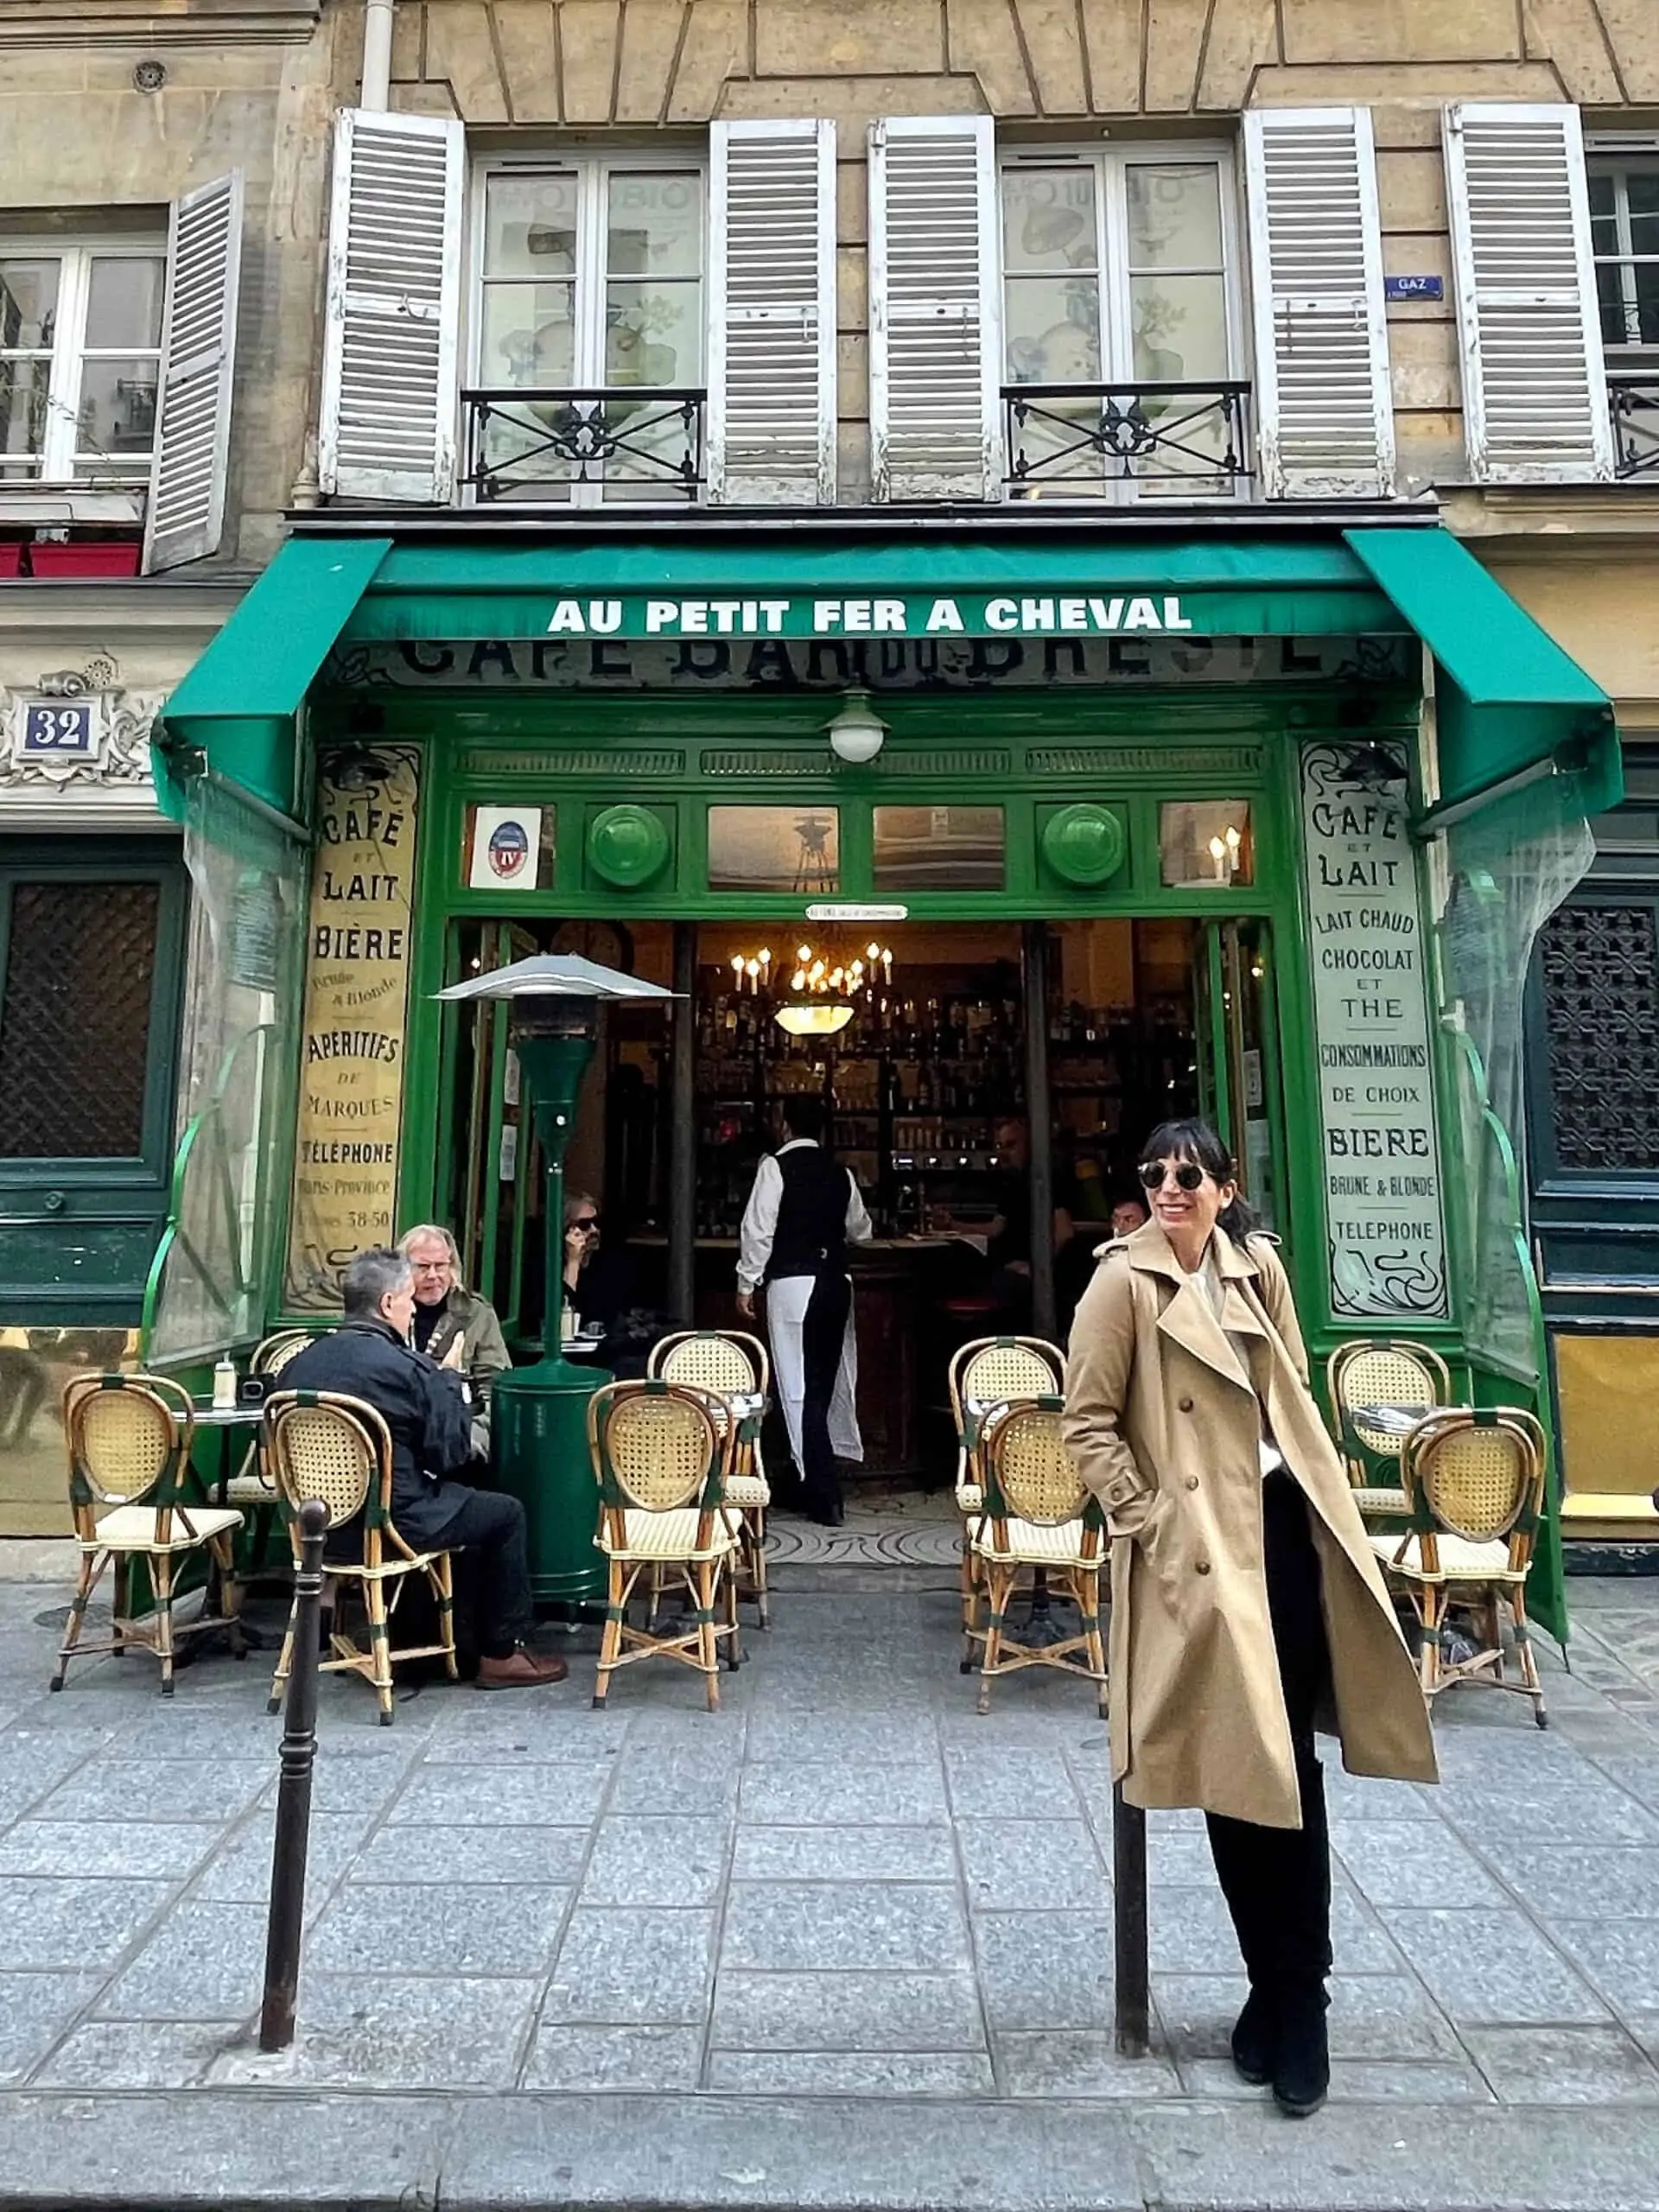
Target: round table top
{"type": "Point", "coordinates": [209, 1415]}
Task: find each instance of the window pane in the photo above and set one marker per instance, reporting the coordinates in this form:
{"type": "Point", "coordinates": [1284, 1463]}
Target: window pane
{"type": "Point", "coordinates": [1180, 327]}
{"type": "Point", "coordinates": [116, 414]}
{"type": "Point", "coordinates": [1647, 303]}
{"type": "Point", "coordinates": [529, 336]}
{"type": "Point", "coordinates": [1205, 845]}
{"type": "Point", "coordinates": [22, 415]}
{"type": "Point", "coordinates": [1643, 186]}
{"type": "Point", "coordinates": [74, 1020]}
{"type": "Point", "coordinates": [1053, 329]}
{"type": "Point", "coordinates": [938, 848]}
{"type": "Point", "coordinates": [774, 849]}
{"type": "Point", "coordinates": [655, 225]}
{"type": "Point", "coordinates": [1603, 201]}
{"type": "Point", "coordinates": [1609, 290]}
{"type": "Point", "coordinates": [1174, 215]}
{"type": "Point", "coordinates": [123, 302]}
{"type": "Point", "coordinates": [653, 334]}
{"type": "Point", "coordinates": [29, 302]}
{"type": "Point", "coordinates": [529, 226]}
{"type": "Point", "coordinates": [1048, 219]}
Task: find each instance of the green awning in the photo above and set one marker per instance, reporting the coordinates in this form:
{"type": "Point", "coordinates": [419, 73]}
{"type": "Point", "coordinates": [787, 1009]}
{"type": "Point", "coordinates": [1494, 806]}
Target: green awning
{"type": "Point", "coordinates": [237, 707]}
{"type": "Point", "coordinates": [1509, 705]}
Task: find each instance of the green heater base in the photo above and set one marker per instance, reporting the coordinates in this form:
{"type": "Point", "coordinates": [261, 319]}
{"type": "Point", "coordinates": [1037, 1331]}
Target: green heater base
{"type": "Point", "coordinates": [539, 1453]}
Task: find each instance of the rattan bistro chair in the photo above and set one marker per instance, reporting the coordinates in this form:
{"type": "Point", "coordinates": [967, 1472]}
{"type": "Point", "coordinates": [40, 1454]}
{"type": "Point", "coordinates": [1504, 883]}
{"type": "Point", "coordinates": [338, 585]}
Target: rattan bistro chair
{"type": "Point", "coordinates": [1474, 1486]}
{"type": "Point", "coordinates": [1382, 1371]}
{"type": "Point", "coordinates": [983, 1376]}
{"type": "Point", "coordinates": [1040, 1518]}
{"type": "Point", "coordinates": [731, 1364]}
{"type": "Point", "coordinates": [252, 1487]}
{"type": "Point", "coordinates": [661, 1455]}
{"type": "Point", "coordinates": [129, 1439]}
{"type": "Point", "coordinates": [320, 1445]}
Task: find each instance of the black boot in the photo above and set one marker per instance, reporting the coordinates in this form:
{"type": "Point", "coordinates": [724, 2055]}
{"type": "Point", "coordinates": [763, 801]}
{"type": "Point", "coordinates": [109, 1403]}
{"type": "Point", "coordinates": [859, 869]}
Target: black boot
{"type": "Point", "coordinates": [1255, 2039]}
{"type": "Point", "coordinates": [1301, 2066]}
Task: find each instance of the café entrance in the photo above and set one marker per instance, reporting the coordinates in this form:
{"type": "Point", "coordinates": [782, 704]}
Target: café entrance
{"type": "Point", "coordinates": [977, 1076]}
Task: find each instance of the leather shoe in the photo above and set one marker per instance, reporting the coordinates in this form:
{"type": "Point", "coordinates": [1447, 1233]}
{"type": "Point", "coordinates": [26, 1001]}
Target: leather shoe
{"type": "Point", "coordinates": [1302, 2065]}
{"type": "Point", "coordinates": [1255, 2040]}
{"type": "Point", "coordinates": [521, 1670]}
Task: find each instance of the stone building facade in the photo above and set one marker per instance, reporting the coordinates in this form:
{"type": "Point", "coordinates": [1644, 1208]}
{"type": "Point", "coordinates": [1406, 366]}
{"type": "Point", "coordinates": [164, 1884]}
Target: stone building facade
{"type": "Point", "coordinates": [112, 114]}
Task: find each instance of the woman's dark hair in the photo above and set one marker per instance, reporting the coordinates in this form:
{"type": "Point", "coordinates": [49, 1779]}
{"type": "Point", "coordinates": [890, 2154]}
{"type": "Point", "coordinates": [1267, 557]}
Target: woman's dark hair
{"type": "Point", "coordinates": [1198, 1141]}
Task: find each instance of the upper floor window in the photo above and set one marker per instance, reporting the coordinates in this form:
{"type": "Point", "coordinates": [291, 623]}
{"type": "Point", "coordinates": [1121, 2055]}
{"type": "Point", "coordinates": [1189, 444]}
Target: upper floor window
{"type": "Point", "coordinates": [1119, 271]}
{"type": "Point", "coordinates": [80, 339]}
{"type": "Point", "coordinates": [1624, 237]}
{"type": "Point", "coordinates": [589, 288]}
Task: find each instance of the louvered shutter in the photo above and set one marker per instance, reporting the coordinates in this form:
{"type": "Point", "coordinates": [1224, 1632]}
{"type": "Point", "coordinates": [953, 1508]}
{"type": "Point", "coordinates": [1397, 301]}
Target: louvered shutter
{"type": "Point", "coordinates": [387, 429]}
{"type": "Point", "coordinates": [772, 320]}
{"type": "Point", "coordinates": [1325, 415]}
{"type": "Point", "coordinates": [1535, 387]}
{"type": "Point", "coordinates": [934, 308]}
{"type": "Point", "coordinates": [185, 516]}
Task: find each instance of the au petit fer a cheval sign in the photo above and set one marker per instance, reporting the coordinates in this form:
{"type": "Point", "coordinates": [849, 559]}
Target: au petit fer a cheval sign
{"type": "Point", "coordinates": [1043, 614]}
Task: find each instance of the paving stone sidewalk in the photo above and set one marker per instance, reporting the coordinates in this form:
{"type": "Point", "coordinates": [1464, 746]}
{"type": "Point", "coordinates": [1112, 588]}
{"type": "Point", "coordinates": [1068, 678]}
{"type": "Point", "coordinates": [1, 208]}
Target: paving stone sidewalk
{"type": "Point", "coordinates": [845, 1887]}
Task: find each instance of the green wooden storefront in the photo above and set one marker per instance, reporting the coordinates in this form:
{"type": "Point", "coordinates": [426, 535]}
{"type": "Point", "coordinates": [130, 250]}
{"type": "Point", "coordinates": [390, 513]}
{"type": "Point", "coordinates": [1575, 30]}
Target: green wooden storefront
{"type": "Point", "coordinates": [1034, 666]}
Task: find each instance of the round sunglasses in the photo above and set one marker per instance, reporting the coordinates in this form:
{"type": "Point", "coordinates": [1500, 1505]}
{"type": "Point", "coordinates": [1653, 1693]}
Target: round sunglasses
{"type": "Point", "coordinates": [1188, 1174]}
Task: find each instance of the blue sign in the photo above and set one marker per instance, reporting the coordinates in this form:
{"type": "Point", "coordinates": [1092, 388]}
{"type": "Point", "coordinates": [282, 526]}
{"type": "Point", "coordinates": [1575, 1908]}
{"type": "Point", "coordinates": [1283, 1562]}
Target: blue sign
{"type": "Point", "coordinates": [59, 729]}
{"type": "Point", "coordinates": [1414, 287]}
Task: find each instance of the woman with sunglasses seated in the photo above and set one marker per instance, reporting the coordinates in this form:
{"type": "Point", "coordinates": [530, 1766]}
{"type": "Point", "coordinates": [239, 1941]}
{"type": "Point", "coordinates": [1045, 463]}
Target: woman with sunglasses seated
{"type": "Point", "coordinates": [1247, 1609]}
{"type": "Point", "coordinates": [602, 1288]}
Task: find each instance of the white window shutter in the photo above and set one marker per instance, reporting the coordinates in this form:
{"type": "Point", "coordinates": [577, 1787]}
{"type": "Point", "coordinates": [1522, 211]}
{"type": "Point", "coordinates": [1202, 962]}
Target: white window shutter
{"type": "Point", "coordinates": [771, 314]}
{"type": "Point", "coordinates": [1535, 386]}
{"type": "Point", "coordinates": [185, 516]}
{"type": "Point", "coordinates": [936, 351]}
{"type": "Point", "coordinates": [390, 343]}
{"type": "Point", "coordinates": [1324, 414]}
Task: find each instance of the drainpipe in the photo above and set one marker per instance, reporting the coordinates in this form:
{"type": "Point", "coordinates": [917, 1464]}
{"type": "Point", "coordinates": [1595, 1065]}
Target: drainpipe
{"type": "Point", "coordinates": [377, 54]}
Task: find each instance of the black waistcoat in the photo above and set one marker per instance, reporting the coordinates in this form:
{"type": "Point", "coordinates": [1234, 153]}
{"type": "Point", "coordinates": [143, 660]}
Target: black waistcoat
{"type": "Point", "coordinates": [811, 1237]}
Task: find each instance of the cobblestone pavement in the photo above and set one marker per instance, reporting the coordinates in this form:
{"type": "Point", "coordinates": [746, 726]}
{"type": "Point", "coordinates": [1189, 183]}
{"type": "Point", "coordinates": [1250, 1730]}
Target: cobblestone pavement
{"type": "Point", "coordinates": [843, 1883]}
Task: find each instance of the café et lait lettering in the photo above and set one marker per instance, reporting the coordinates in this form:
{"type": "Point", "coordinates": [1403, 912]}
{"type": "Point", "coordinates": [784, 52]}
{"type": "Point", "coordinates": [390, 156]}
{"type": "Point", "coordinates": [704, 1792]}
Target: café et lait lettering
{"type": "Point", "coordinates": [1034, 616]}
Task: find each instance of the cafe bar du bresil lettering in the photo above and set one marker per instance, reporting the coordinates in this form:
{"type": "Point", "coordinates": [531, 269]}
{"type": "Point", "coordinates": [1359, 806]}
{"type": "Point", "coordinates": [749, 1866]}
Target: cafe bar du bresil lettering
{"type": "Point", "coordinates": [355, 1018]}
{"type": "Point", "coordinates": [1382, 1190]}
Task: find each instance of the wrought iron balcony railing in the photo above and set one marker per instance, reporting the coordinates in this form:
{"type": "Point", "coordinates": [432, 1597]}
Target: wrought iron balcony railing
{"type": "Point", "coordinates": [1633, 398]}
{"type": "Point", "coordinates": [1168, 441]}
{"type": "Point", "coordinates": [595, 444]}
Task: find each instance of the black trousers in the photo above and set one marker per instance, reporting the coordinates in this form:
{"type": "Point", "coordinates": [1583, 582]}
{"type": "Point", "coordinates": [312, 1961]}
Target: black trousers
{"type": "Point", "coordinates": [495, 1566]}
{"type": "Point", "coordinates": [1277, 1881]}
{"type": "Point", "coordinates": [823, 1330]}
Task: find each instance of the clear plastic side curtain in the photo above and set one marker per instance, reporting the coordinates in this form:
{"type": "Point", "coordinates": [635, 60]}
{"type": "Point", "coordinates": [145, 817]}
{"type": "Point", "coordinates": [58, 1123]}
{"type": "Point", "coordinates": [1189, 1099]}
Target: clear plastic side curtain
{"type": "Point", "coordinates": [1507, 869]}
{"type": "Point", "coordinates": [211, 1280]}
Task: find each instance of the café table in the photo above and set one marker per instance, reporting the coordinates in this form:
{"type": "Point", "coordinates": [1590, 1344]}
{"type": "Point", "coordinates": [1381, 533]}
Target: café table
{"type": "Point", "coordinates": [224, 1421]}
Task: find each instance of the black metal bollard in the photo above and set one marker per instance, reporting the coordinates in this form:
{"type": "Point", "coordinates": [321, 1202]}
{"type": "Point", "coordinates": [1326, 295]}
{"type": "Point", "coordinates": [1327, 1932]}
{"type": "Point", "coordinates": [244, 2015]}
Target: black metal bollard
{"type": "Point", "coordinates": [1134, 1999]}
{"type": "Point", "coordinates": [294, 1792]}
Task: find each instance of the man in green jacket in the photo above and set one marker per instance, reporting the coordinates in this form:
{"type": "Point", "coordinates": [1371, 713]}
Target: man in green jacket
{"type": "Point", "coordinates": [453, 1325]}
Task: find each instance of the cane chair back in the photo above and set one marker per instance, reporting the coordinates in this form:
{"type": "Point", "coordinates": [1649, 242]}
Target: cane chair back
{"type": "Point", "coordinates": [731, 1363]}
{"type": "Point", "coordinates": [1040, 1519]}
{"type": "Point", "coordinates": [129, 1440]}
{"type": "Point", "coordinates": [1474, 1483]}
{"type": "Point", "coordinates": [271, 1357]}
{"type": "Point", "coordinates": [323, 1445]}
{"type": "Point", "coordinates": [338, 1450]}
{"type": "Point", "coordinates": [1383, 1371]}
{"type": "Point", "coordinates": [728, 1361]}
{"type": "Point", "coordinates": [1478, 1474]}
{"type": "Point", "coordinates": [661, 1453]}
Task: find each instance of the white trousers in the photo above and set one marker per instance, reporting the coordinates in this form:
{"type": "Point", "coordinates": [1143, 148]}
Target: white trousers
{"type": "Point", "coordinates": [786, 1303]}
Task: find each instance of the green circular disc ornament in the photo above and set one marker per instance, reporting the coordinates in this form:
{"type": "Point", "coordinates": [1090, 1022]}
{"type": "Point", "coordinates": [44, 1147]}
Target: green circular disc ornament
{"type": "Point", "coordinates": [1083, 844]}
{"type": "Point", "coordinates": [627, 846]}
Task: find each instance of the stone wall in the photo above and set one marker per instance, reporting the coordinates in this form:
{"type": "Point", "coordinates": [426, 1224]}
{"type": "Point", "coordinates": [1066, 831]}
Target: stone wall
{"type": "Point", "coordinates": [1047, 68]}
{"type": "Point", "coordinates": [249, 84]}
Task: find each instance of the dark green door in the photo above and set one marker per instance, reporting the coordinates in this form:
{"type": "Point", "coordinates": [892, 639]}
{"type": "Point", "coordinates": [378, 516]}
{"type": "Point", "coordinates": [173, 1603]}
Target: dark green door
{"type": "Point", "coordinates": [91, 959]}
{"type": "Point", "coordinates": [1238, 1055]}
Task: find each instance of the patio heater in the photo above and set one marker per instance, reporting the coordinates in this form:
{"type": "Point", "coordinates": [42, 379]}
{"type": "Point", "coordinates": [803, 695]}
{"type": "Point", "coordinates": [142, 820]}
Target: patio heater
{"type": "Point", "coordinates": [538, 1415]}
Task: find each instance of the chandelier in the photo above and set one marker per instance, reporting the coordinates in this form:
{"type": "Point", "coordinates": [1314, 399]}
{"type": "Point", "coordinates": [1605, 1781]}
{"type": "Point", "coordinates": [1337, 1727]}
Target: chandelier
{"type": "Point", "coordinates": [820, 996]}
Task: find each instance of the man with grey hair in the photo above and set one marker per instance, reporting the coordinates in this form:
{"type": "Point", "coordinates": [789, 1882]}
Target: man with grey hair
{"type": "Point", "coordinates": [426, 1409]}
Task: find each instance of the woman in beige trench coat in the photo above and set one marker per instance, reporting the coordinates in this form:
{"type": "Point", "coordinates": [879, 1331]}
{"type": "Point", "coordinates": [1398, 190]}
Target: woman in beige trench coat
{"type": "Point", "coordinates": [1246, 1606]}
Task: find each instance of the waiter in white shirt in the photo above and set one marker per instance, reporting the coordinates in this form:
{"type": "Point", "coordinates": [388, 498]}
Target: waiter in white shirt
{"type": "Point", "coordinates": [802, 1214]}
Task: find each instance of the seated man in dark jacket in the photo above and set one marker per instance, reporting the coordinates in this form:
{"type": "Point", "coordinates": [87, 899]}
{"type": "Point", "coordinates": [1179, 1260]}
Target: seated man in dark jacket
{"type": "Point", "coordinates": [425, 1407]}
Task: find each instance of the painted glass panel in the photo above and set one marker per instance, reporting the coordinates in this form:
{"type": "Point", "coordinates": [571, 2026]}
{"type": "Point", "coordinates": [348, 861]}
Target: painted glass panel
{"type": "Point", "coordinates": [794, 848]}
{"type": "Point", "coordinates": [939, 847]}
{"type": "Point", "coordinates": [1205, 845]}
